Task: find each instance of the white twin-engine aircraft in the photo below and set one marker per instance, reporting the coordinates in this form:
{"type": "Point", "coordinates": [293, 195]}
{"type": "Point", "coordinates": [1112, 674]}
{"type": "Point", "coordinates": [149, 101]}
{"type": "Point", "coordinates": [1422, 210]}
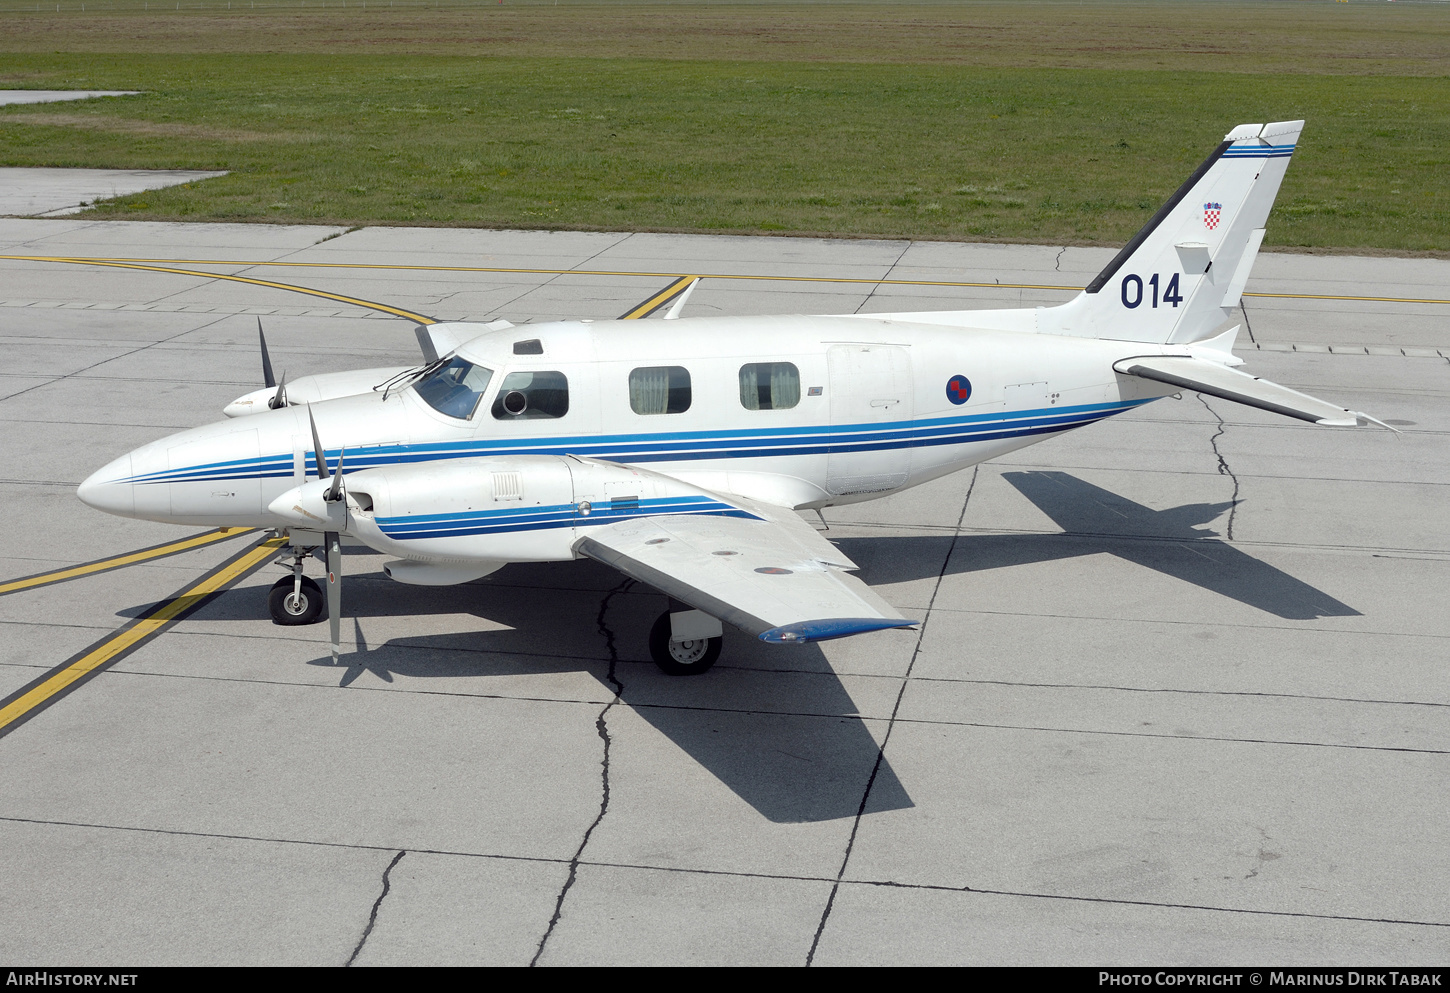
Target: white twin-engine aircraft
{"type": "Point", "coordinates": [679, 453]}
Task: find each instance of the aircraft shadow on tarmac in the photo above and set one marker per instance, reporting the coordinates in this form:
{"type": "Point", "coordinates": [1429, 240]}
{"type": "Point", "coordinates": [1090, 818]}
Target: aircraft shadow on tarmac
{"type": "Point", "coordinates": [777, 727]}
{"type": "Point", "coordinates": [1095, 521]}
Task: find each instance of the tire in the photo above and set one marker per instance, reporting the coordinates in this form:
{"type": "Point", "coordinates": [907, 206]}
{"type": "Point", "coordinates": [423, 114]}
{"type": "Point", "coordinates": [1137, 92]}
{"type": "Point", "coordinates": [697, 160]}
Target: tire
{"type": "Point", "coordinates": [287, 612]}
{"type": "Point", "coordinates": [688, 658]}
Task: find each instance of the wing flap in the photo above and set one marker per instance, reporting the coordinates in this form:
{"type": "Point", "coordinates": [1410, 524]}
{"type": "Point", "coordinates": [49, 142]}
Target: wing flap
{"type": "Point", "coordinates": [778, 581]}
{"type": "Point", "coordinates": [1220, 381]}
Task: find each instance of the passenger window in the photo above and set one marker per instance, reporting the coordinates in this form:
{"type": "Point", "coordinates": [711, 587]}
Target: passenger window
{"type": "Point", "coordinates": [769, 386]}
{"type": "Point", "coordinates": [528, 395]}
{"type": "Point", "coordinates": [661, 389]}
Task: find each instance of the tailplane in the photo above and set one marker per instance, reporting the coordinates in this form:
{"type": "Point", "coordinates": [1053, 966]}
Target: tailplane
{"type": "Point", "coordinates": [1181, 276]}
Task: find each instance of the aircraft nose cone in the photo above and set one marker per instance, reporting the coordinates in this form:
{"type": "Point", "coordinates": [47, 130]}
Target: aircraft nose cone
{"type": "Point", "coordinates": [104, 489]}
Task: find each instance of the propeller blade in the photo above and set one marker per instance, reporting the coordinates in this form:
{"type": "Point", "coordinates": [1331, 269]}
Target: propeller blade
{"type": "Point", "coordinates": [335, 494]}
{"type": "Point", "coordinates": [279, 399]}
{"type": "Point", "coordinates": [267, 377]}
{"type": "Point", "coordinates": [317, 449]}
{"type": "Point", "coordinates": [425, 342]}
{"type": "Point", "coordinates": [334, 590]}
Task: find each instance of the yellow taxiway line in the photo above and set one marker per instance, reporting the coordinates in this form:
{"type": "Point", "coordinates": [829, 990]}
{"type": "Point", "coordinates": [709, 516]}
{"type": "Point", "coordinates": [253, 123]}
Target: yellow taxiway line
{"type": "Point", "coordinates": [504, 270]}
{"type": "Point", "coordinates": [661, 298]}
{"type": "Point", "coordinates": [27, 701]}
{"type": "Point", "coordinates": [30, 699]}
{"type": "Point", "coordinates": [120, 561]}
{"type": "Point", "coordinates": [324, 294]}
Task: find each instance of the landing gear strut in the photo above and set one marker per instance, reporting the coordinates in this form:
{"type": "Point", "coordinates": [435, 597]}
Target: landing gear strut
{"type": "Point", "coordinates": [295, 599]}
{"type": "Point", "coordinates": [690, 655]}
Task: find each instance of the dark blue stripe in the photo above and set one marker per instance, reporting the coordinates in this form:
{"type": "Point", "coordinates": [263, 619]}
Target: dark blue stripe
{"type": "Point", "coordinates": [463, 529]}
{"type": "Point", "coordinates": [693, 445]}
{"type": "Point", "coordinates": [802, 632]}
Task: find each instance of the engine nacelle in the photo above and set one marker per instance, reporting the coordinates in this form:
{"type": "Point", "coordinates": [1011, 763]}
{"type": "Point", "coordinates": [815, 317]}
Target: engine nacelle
{"type": "Point", "coordinates": [313, 389]}
{"type": "Point", "coordinates": [465, 518]}
{"type": "Point", "coordinates": [428, 574]}
{"type": "Point", "coordinates": [505, 509]}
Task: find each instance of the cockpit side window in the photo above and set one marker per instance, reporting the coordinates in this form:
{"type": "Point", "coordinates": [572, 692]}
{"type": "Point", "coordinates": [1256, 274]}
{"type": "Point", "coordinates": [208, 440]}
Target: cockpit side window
{"type": "Point", "coordinates": [529, 395]}
{"type": "Point", "coordinates": [769, 386]}
{"type": "Point", "coordinates": [455, 387]}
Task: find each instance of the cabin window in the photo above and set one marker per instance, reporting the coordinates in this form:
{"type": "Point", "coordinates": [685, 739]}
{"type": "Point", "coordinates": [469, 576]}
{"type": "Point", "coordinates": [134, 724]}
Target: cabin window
{"type": "Point", "coordinates": [769, 386]}
{"type": "Point", "coordinates": [660, 389]}
{"type": "Point", "coordinates": [531, 395]}
{"type": "Point", "coordinates": [454, 388]}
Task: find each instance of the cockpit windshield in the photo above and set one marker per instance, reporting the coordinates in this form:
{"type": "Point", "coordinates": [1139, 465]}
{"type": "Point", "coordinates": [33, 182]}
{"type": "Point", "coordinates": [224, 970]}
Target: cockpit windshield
{"type": "Point", "coordinates": [454, 388]}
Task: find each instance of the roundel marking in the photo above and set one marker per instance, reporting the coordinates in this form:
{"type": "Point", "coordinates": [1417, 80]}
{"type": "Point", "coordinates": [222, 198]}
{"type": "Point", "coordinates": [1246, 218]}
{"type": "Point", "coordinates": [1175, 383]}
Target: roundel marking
{"type": "Point", "coordinates": [959, 388]}
{"type": "Point", "coordinates": [774, 570]}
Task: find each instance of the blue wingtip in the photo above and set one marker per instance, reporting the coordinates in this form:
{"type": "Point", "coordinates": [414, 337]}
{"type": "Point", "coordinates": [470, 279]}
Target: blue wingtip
{"type": "Point", "coordinates": [837, 627]}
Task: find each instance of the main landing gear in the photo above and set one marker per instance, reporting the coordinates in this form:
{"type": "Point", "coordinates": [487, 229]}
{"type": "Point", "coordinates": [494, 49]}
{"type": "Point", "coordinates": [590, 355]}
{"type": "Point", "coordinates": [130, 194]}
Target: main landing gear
{"type": "Point", "coordinates": [685, 643]}
{"type": "Point", "coordinates": [296, 599]}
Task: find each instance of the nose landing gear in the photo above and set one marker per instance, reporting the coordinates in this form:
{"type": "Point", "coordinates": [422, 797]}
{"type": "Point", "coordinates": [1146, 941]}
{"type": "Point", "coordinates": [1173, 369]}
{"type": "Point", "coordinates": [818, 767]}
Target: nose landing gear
{"type": "Point", "coordinates": [682, 644]}
{"type": "Point", "coordinates": [292, 603]}
{"type": "Point", "coordinates": [295, 599]}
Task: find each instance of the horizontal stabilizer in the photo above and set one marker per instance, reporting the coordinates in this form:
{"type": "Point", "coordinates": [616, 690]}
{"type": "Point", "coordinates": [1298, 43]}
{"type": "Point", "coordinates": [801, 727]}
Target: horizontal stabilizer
{"type": "Point", "coordinates": [1220, 381]}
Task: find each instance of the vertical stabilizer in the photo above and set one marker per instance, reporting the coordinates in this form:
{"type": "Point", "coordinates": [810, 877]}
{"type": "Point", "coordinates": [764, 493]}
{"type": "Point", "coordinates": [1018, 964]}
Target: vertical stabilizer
{"type": "Point", "coordinates": [1180, 277]}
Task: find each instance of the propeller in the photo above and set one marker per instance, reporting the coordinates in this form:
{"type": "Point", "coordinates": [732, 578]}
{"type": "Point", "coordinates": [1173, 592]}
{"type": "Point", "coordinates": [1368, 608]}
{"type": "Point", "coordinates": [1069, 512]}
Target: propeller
{"type": "Point", "coordinates": [278, 399]}
{"type": "Point", "coordinates": [332, 539]}
{"type": "Point", "coordinates": [267, 378]}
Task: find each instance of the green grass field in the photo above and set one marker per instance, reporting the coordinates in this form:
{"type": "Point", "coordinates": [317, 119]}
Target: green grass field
{"type": "Point", "coordinates": [868, 120]}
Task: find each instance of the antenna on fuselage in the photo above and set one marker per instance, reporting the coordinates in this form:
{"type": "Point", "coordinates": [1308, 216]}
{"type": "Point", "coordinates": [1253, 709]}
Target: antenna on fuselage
{"type": "Point", "coordinates": [674, 313]}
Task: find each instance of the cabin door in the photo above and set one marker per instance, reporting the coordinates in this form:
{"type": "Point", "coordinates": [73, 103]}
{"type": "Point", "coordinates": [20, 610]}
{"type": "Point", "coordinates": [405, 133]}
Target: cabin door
{"type": "Point", "coordinates": [871, 397]}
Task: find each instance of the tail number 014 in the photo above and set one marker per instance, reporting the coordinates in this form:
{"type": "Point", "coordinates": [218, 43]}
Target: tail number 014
{"type": "Point", "coordinates": [1133, 290]}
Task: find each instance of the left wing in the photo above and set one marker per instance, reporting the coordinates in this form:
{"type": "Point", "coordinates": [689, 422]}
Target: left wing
{"type": "Point", "coordinates": [770, 574]}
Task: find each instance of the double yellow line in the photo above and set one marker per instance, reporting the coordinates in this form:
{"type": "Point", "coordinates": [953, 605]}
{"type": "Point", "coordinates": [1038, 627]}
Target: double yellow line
{"type": "Point", "coordinates": [41, 692]}
{"type": "Point", "coordinates": [659, 300]}
{"type": "Point", "coordinates": [166, 265]}
{"type": "Point", "coordinates": [271, 284]}
{"type": "Point", "coordinates": [52, 686]}
{"type": "Point", "coordinates": [120, 561]}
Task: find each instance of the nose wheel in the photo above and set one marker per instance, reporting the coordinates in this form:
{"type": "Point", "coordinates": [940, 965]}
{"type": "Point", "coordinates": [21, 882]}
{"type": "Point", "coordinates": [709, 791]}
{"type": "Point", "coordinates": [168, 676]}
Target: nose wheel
{"type": "Point", "coordinates": [291, 602]}
{"type": "Point", "coordinates": [689, 657]}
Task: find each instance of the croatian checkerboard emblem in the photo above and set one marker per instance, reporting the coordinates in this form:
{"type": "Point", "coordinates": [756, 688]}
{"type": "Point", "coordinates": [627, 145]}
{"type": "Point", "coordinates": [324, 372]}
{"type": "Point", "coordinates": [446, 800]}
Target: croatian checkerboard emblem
{"type": "Point", "coordinates": [1211, 213]}
{"type": "Point", "coordinates": [959, 388]}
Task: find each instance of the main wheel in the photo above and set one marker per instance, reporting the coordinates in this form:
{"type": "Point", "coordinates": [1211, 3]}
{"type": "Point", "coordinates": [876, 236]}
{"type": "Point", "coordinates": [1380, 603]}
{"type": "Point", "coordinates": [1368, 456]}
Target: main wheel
{"type": "Point", "coordinates": [681, 658]}
{"type": "Point", "coordinates": [288, 608]}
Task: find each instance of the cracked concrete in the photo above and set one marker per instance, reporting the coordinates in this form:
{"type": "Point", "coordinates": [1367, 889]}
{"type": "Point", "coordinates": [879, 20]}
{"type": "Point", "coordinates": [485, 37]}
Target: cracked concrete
{"type": "Point", "coordinates": [601, 726]}
{"type": "Point", "coordinates": [1078, 758]}
{"type": "Point", "coordinates": [1223, 467]}
{"type": "Point", "coordinates": [377, 905]}
{"type": "Point", "coordinates": [891, 723]}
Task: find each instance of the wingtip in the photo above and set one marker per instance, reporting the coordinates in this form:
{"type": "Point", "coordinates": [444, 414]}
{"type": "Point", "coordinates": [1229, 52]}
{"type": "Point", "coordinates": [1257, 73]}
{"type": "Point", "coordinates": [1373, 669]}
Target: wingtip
{"type": "Point", "coordinates": [804, 632]}
{"type": "Point", "coordinates": [1363, 420]}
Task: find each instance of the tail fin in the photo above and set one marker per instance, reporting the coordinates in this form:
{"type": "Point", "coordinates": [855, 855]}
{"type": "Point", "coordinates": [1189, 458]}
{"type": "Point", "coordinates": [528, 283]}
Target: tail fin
{"type": "Point", "coordinates": [1182, 274]}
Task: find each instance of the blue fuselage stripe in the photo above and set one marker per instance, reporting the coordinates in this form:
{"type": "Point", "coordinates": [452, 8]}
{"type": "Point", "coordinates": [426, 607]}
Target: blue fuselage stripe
{"type": "Point", "coordinates": [683, 446]}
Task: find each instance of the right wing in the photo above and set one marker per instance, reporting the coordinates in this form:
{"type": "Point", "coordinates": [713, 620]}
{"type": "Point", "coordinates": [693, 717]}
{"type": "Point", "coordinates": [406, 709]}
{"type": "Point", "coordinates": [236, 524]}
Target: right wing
{"type": "Point", "coordinates": [769, 573]}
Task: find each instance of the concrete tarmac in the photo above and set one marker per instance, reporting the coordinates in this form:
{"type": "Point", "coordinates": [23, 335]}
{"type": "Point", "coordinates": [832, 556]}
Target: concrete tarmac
{"type": "Point", "coordinates": [46, 192]}
{"type": "Point", "coordinates": [1179, 696]}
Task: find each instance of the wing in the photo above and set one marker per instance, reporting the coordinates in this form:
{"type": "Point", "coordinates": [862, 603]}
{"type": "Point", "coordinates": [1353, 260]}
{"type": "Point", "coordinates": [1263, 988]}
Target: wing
{"type": "Point", "coordinates": [770, 574]}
